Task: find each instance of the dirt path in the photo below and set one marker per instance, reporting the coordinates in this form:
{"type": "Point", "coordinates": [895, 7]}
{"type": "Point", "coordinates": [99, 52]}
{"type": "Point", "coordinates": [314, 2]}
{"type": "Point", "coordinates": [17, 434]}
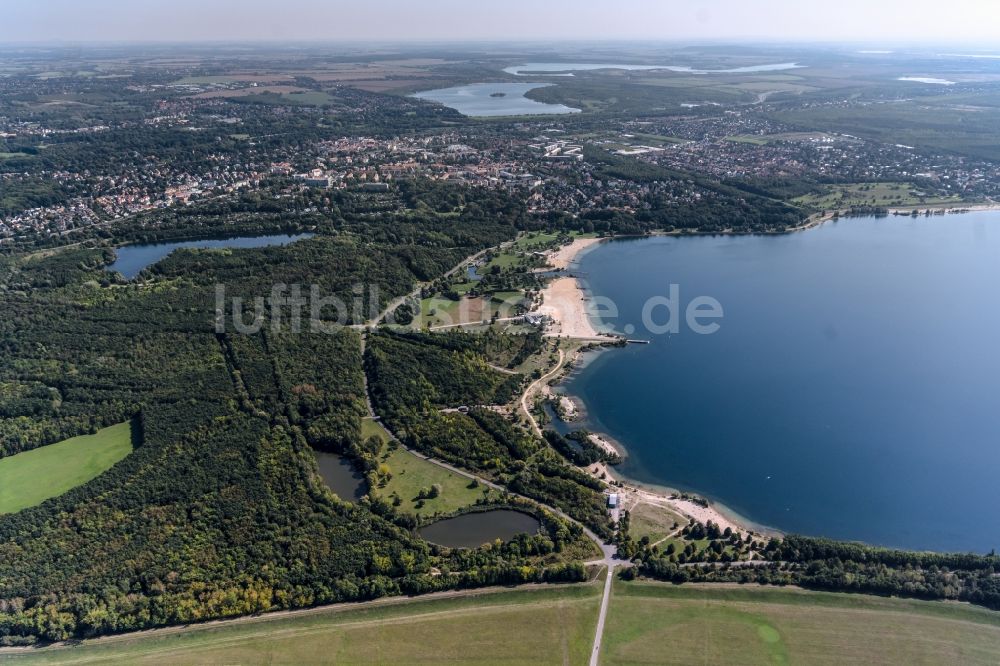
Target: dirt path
{"type": "Point", "coordinates": [609, 551]}
{"type": "Point", "coordinates": [595, 652]}
{"type": "Point", "coordinates": [531, 388]}
{"type": "Point", "coordinates": [396, 302]}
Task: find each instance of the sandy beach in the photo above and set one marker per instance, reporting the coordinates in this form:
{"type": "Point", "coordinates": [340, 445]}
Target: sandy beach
{"type": "Point", "coordinates": [562, 257]}
{"type": "Point", "coordinates": [564, 302]}
{"type": "Point", "coordinates": [949, 209]}
{"type": "Point", "coordinates": [632, 496]}
{"type": "Point", "coordinates": [688, 508]}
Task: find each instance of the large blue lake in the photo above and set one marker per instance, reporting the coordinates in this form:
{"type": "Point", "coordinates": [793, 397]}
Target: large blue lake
{"type": "Point", "coordinates": [852, 391]}
{"type": "Point", "coordinates": [493, 99]}
{"type": "Point", "coordinates": [132, 259]}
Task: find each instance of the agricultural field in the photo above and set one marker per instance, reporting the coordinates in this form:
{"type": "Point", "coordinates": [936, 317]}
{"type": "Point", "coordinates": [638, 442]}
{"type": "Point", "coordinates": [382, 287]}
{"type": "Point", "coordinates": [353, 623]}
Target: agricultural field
{"type": "Point", "coordinates": [883, 195]}
{"type": "Point", "coordinates": [666, 624]}
{"type": "Point", "coordinates": [227, 79]}
{"type": "Point", "coordinates": [411, 474]}
{"type": "Point", "coordinates": [30, 478]}
{"type": "Point", "coordinates": [532, 626]}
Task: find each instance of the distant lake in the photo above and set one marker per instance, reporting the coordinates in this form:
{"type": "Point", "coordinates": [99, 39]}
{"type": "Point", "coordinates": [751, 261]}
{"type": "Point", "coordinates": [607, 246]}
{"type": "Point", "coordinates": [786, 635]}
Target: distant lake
{"type": "Point", "coordinates": [340, 476]}
{"type": "Point", "coordinates": [566, 68]}
{"type": "Point", "coordinates": [132, 259]}
{"type": "Point", "coordinates": [853, 390]}
{"type": "Point", "coordinates": [472, 530]}
{"type": "Point", "coordinates": [477, 99]}
{"type": "Point", "coordinates": [927, 79]}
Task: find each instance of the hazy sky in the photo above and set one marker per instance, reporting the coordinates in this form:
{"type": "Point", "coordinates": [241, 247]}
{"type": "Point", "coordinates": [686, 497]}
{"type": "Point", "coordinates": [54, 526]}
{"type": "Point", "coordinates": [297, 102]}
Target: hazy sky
{"type": "Point", "coordinates": [811, 20]}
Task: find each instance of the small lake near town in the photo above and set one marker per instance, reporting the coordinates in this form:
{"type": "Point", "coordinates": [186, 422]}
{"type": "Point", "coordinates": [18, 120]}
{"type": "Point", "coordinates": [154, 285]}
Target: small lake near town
{"type": "Point", "coordinates": [132, 259]}
{"type": "Point", "coordinates": [493, 99]}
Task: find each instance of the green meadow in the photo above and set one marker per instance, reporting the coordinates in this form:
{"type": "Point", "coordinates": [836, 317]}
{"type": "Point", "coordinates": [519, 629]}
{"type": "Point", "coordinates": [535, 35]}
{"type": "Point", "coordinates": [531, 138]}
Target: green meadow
{"type": "Point", "coordinates": [532, 626]}
{"type": "Point", "coordinates": [411, 474]}
{"type": "Point", "coordinates": [647, 623]}
{"type": "Point", "coordinates": [666, 624]}
{"type": "Point", "coordinates": [30, 478]}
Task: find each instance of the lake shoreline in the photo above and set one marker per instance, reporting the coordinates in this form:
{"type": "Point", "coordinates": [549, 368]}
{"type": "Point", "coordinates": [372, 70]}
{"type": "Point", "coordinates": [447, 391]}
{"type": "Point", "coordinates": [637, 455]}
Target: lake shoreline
{"type": "Point", "coordinates": [569, 307]}
{"type": "Point", "coordinates": [565, 300]}
{"type": "Point", "coordinates": [692, 504]}
{"type": "Point", "coordinates": [660, 494]}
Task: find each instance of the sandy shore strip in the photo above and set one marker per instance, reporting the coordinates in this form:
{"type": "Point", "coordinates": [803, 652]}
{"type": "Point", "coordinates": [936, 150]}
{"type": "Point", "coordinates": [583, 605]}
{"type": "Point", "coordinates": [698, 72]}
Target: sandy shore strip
{"type": "Point", "coordinates": [563, 299]}
{"type": "Point", "coordinates": [947, 208]}
{"type": "Point", "coordinates": [602, 442]}
{"type": "Point", "coordinates": [565, 304]}
{"type": "Point", "coordinates": [561, 258]}
{"type": "Point", "coordinates": [687, 508]}
{"type": "Point", "coordinates": [631, 496]}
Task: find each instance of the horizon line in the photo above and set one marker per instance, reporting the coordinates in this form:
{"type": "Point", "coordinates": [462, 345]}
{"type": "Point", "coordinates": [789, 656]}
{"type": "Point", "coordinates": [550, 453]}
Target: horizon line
{"type": "Point", "coordinates": [405, 41]}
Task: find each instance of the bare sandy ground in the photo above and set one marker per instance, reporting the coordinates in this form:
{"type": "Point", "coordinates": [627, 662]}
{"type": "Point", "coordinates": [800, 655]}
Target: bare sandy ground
{"type": "Point", "coordinates": [562, 257]}
{"type": "Point", "coordinates": [562, 299]}
{"type": "Point", "coordinates": [949, 208]}
{"type": "Point", "coordinates": [686, 508]}
{"type": "Point", "coordinates": [607, 446]}
{"type": "Point", "coordinates": [564, 302]}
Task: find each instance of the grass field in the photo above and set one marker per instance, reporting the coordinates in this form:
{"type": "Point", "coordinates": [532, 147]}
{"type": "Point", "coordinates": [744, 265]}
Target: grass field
{"type": "Point", "coordinates": [32, 477]}
{"type": "Point", "coordinates": [410, 474]}
{"type": "Point", "coordinates": [440, 311]}
{"type": "Point", "coordinates": [656, 522]}
{"type": "Point", "coordinates": [515, 253]}
{"type": "Point", "coordinates": [538, 626]}
{"type": "Point", "coordinates": [748, 138]}
{"type": "Point", "coordinates": [869, 194]}
{"type": "Point", "coordinates": [665, 624]}
{"type": "Point", "coordinates": [370, 426]}
{"type": "Point", "coordinates": [648, 623]}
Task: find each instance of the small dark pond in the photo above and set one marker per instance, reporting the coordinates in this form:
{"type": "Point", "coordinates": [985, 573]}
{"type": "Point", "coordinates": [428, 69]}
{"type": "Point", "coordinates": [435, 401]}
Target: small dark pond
{"type": "Point", "coordinates": [472, 530]}
{"type": "Point", "coordinates": [341, 477]}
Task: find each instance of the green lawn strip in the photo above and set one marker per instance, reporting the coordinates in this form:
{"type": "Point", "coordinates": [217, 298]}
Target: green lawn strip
{"type": "Point", "coordinates": [554, 624]}
{"type": "Point", "coordinates": [30, 478]}
{"type": "Point", "coordinates": [798, 596]}
{"type": "Point", "coordinates": [370, 426]}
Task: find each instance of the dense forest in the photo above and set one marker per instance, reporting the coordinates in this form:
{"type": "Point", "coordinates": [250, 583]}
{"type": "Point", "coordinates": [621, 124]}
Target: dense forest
{"type": "Point", "coordinates": [824, 564]}
{"type": "Point", "coordinates": [414, 376]}
{"type": "Point", "coordinates": [219, 510]}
